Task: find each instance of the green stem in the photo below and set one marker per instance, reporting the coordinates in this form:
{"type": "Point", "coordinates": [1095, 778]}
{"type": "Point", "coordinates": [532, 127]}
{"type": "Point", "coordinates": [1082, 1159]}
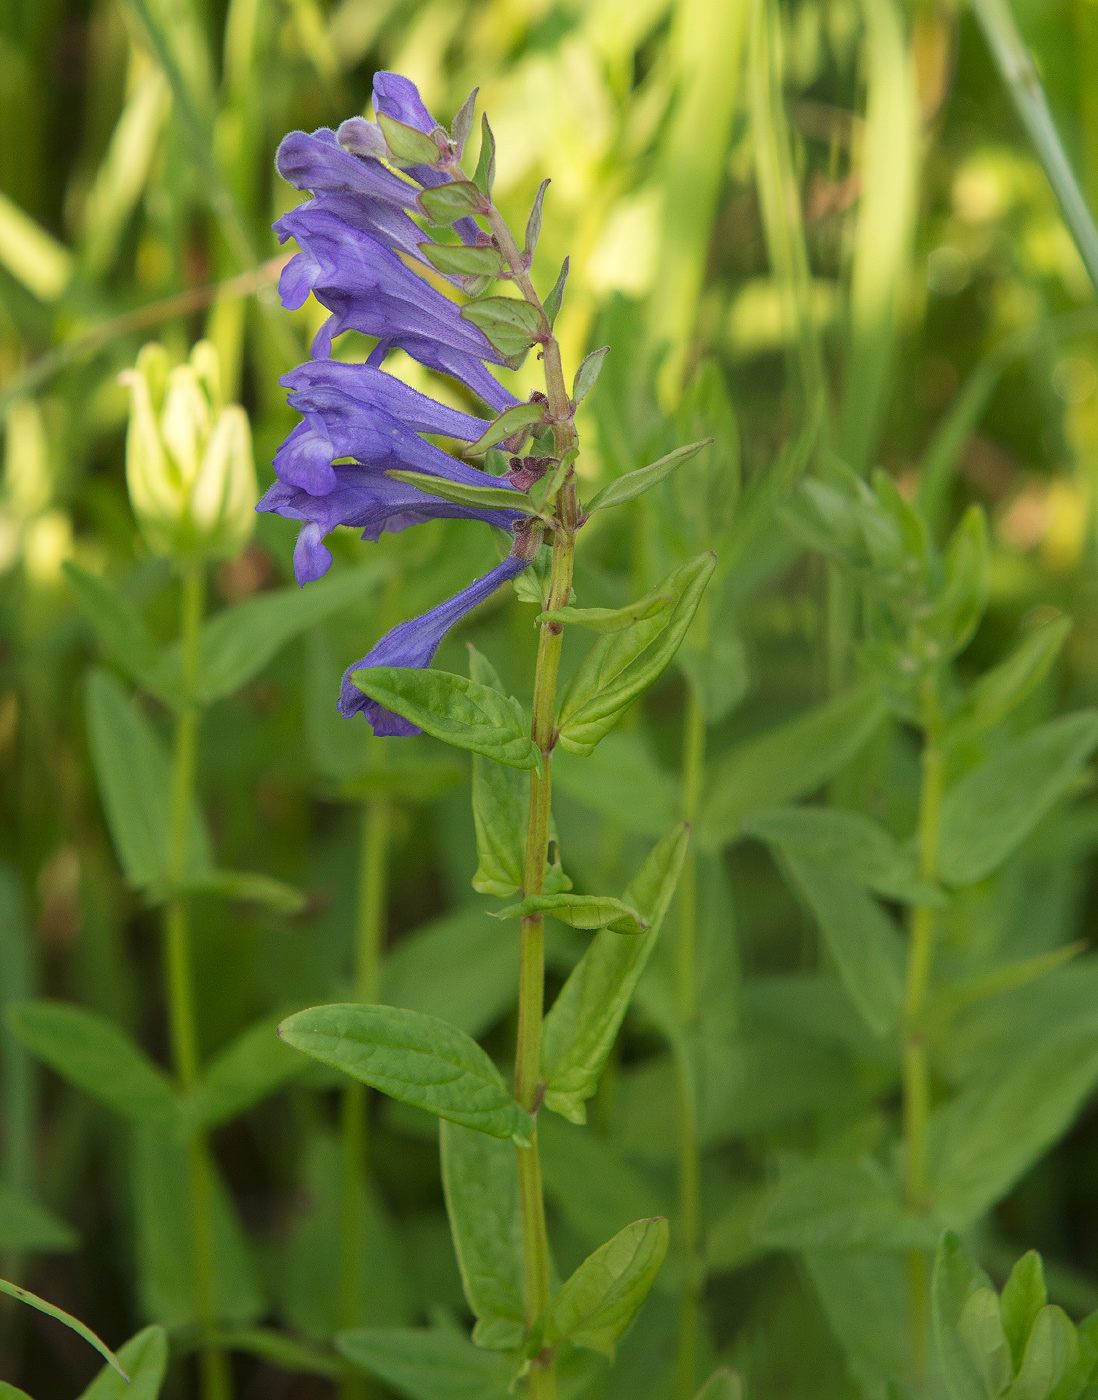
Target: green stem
{"type": "Point", "coordinates": [916, 1068]}
{"type": "Point", "coordinates": [179, 979]}
{"type": "Point", "coordinates": [686, 1360]}
{"type": "Point", "coordinates": [369, 937]}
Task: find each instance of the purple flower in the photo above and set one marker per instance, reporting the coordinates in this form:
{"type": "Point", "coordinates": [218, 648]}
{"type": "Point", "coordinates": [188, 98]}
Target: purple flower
{"type": "Point", "coordinates": [414, 643]}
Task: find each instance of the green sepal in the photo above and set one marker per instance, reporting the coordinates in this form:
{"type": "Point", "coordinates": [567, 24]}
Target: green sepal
{"type": "Point", "coordinates": [633, 484]}
{"type": "Point", "coordinates": [543, 492]}
{"type": "Point", "coordinates": [597, 1305]}
{"type": "Point", "coordinates": [553, 301]}
{"type": "Point", "coordinates": [462, 124]}
{"type": "Point", "coordinates": [533, 223]}
{"type": "Point", "coordinates": [445, 204]}
{"type": "Point", "coordinates": [587, 911]}
{"type": "Point", "coordinates": [409, 146]}
{"type": "Point", "coordinates": [621, 666]}
{"type": "Point", "coordinates": [420, 1060]}
{"type": "Point", "coordinates": [520, 417]}
{"type": "Point", "coordinates": [484, 176]}
{"type": "Point", "coordinates": [461, 260]}
{"type": "Point", "coordinates": [480, 497]}
{"type": "Point", "coordinates": [456, 710]}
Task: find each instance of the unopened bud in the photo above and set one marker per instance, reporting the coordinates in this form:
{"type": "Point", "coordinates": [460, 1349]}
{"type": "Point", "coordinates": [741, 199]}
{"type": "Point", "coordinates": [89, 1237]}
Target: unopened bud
{"type": "Point", "coordinates": [189, 465]}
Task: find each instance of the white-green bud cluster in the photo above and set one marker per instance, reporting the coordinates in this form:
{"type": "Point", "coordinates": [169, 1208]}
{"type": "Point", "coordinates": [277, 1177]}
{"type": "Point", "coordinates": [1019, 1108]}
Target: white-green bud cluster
{"type": "Point", "coordinates": [189, 465]}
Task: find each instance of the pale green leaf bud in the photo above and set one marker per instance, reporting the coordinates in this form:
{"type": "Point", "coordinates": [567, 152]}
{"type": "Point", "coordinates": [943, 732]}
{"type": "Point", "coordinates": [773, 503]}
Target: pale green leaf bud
{"type": "Point", "coordinates": [189, 464]}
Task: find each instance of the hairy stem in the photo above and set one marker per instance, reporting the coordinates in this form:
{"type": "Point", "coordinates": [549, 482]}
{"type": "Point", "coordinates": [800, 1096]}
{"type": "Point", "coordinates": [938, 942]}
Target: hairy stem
{"type": "Point", "coordinates": [369, 937]}
{"type": "Point", "coordinates": [179, 981]}
{"type": "Point", "coordinates": [693, 763]}
{"type": "Point", "coordinates": [916, 1069]}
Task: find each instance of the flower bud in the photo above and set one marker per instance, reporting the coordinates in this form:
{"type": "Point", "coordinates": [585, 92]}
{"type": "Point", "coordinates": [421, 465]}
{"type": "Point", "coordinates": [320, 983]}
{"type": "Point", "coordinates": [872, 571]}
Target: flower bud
{"type": "Point", "coordinates": [189, 465]}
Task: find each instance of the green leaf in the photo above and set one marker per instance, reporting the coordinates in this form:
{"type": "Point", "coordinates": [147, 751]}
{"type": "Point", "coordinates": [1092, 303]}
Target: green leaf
{"type": "Point", "coordinates": [455, 710]}
{"type": "Point", "coordinates": [238, 642]}
{"type": "Point", "coordinates": [723, 1384]}
{"type": "Point", "coordinates": [1024, 1295]}
{"type": "Point", "coordinates": [1050, 1353]}
{"type": "Point", "coordinates": [610, 619]}
{"type": "Point", "coordinates": [847, 844]}
{"type": "Point", "coordinates": [633, 484]}
{"type": "Point", "coordinates": [622, 781]}
{"type": "Point", "coordinates": [587, 911]}
{"type": "Point", "coordinates": [497, 808]}
{"type": "Point", "coordinates": [597, 1305]}
{"type": "Point", "coordinates": [123, 634]}
{"type": "Point", "coordinates": [482, 497]}
{"type": "Point", "coordinates": [144, 1358]}
{"type": "Point", "coordinates": [955, 1280]}
{"type": "Point", "coordinates": [520, 417]}
{"type": "Point", "coordinates": [435, 1364]}
{"type": "Point", "coordinates": [160, 1172]}
{"type": "Point", "coordinates": [92, 1053]}
{"type": "Point", "coordinates": [828, 1203]}
{"type": "Point", "coordinates": [584, 1020]}
{"type": "Point", "coordinates": [717, 672]}
{"type": "Point", "coordinates": [12, 1392]}
{"type": "Point", "coordinates": [960, 606]}
{"type": "Point", "coordinates": [864, 1297]}
{"type": "Point", "coordinates": [983, 1139]}
{"type": "Point", "coordinates": [861, 937]}
{"type": "Point", "coordinates": [445, 204]}
{"type": "Point", "coordinates": [249, 886]}
{"type": "Point", "coordinates": [26, 1225]}
{"type": "Point", "coordinates": [993, 809]}
{"type": "Point", "coordinates": [134, 778]}
{"type": "Point", "coordinates": [553, 301]}
{"type": "Point", "coordinates": [485, 175]}
{"type": "Point", "coordinates": [254, 1066]}
{"type": "Point", "coordinates": [980, 1328]}
{"type": "Point", "coordinates": [480, 1179]}
{"type": "Point", "coordinates": [409, 146]}
{"type": "Point", "coordinates": [533, 223]}
{"type": "Point", "coordinates": [584, 382]}
{"type": "Point", "coordinates": [463, 260]}
{"type": "Point", "coordinates": [994, 694]}
{"type": "Point", "coordinates": [415, 1058]}
{"type": "Point", "coordinates": [32, 1300]}
{"type": "Point", "coordinates": [965, 991]}
{"type": "Point", "coordinates": [462, 124]}
{"type": "Point", "coordinates": [511, 326]}
{"type": "Point", "coordinates": [788, 761]}
{"type": "Point", "coordinates": [287, 1353]}
{"type": "Point", "coordinates": [621, 667]}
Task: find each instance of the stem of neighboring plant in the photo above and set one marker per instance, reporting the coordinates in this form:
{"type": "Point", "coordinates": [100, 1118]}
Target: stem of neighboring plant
{"type": "Point", "coordinates": [528, 1087]}
{"type": "Point", "coordinates": [693, 762]}
{"type": "Point", "coordinates": [916, 1070]}
{"type": "Point", "coordinates": [216, 1378]}
{"type": "Point", "coordinates": [369, 937]}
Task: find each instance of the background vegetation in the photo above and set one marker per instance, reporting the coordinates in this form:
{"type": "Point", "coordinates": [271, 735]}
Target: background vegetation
{"type": "Point", "coordinates": [815, 229]}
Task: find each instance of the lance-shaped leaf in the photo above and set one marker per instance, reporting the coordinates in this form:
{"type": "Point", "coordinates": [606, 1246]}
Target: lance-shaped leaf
{"type": "Point", "coordinates": [454, 709]}
{"type": "Point", "coordinates": [533, 223]}
{"type": "Point", "coordinates": [408, 145]}
{"type": "Point", "coordinates": [32, 1300]}
{"type": "Point", "coordinates": [253, 1066]}
{"type": "Point", "coordinates": [462, 260]}
{"type": "Point", "coordinates": [586, 377]}
{"type": "Point", "coordinates": [847, 844]}
{"type": "Point", "coordinates": [480, 1180]}
{"type": "Point", "coordinates": [481, 497]}
{"type": "Point", "coordinates": [462, 124]}
{"type": "Point", "coordinates": [497, 808]}
{"type": "Point", "coordinates": [597, 1305]}
{"type": "Point", "coordinates": [998, 691]}
{"type": "Point", "coordinates": [995, 807]}
{"type": "Point", "coordinates": [622, 666]}
{"type": "Point", "coordinates": [956, 1279]}
{"type": "Point", "coordinates": [610, 619]}
{"type": "Point", "coordinates": [579, 911]}
{"type": "Point", "coordinates": [521, 416]}
{"type": "Point", "coordinates": [583, 1022]}
{"type": "Point", "coordinates": [133, 774]}
{"type": "Point", "coordinates": [92, 1053]}
{"type": "Point", "coordinates": [144, 1358]}
{"type": "Point", "coordinates": [512, 326]}
{"type": "Point", "coordinates": [26, 1225]}
{"type": "Point", "coordinates": [445, 204]}
{"type": "Point", "coordinates": [788, 761]}
{"type": "Point", "coordinates": [723, 1384]}
{"type": "Point", "coordinates": [238, 642]}
{"type": "Point", "coordinates": [632, 484]}
{"type": "Point", "coordinates": [415, 1058]}
{"type": "Point", "coordinates": [484, 177]}
{"type": "Point", "coordinates": [553, 301]}
{"type": "Point", "coordinates": [123, 634]}
{"type": "Point", "coordinates": [247, 885]}
{"type": "Point", "coordinates": [437, 1363]}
